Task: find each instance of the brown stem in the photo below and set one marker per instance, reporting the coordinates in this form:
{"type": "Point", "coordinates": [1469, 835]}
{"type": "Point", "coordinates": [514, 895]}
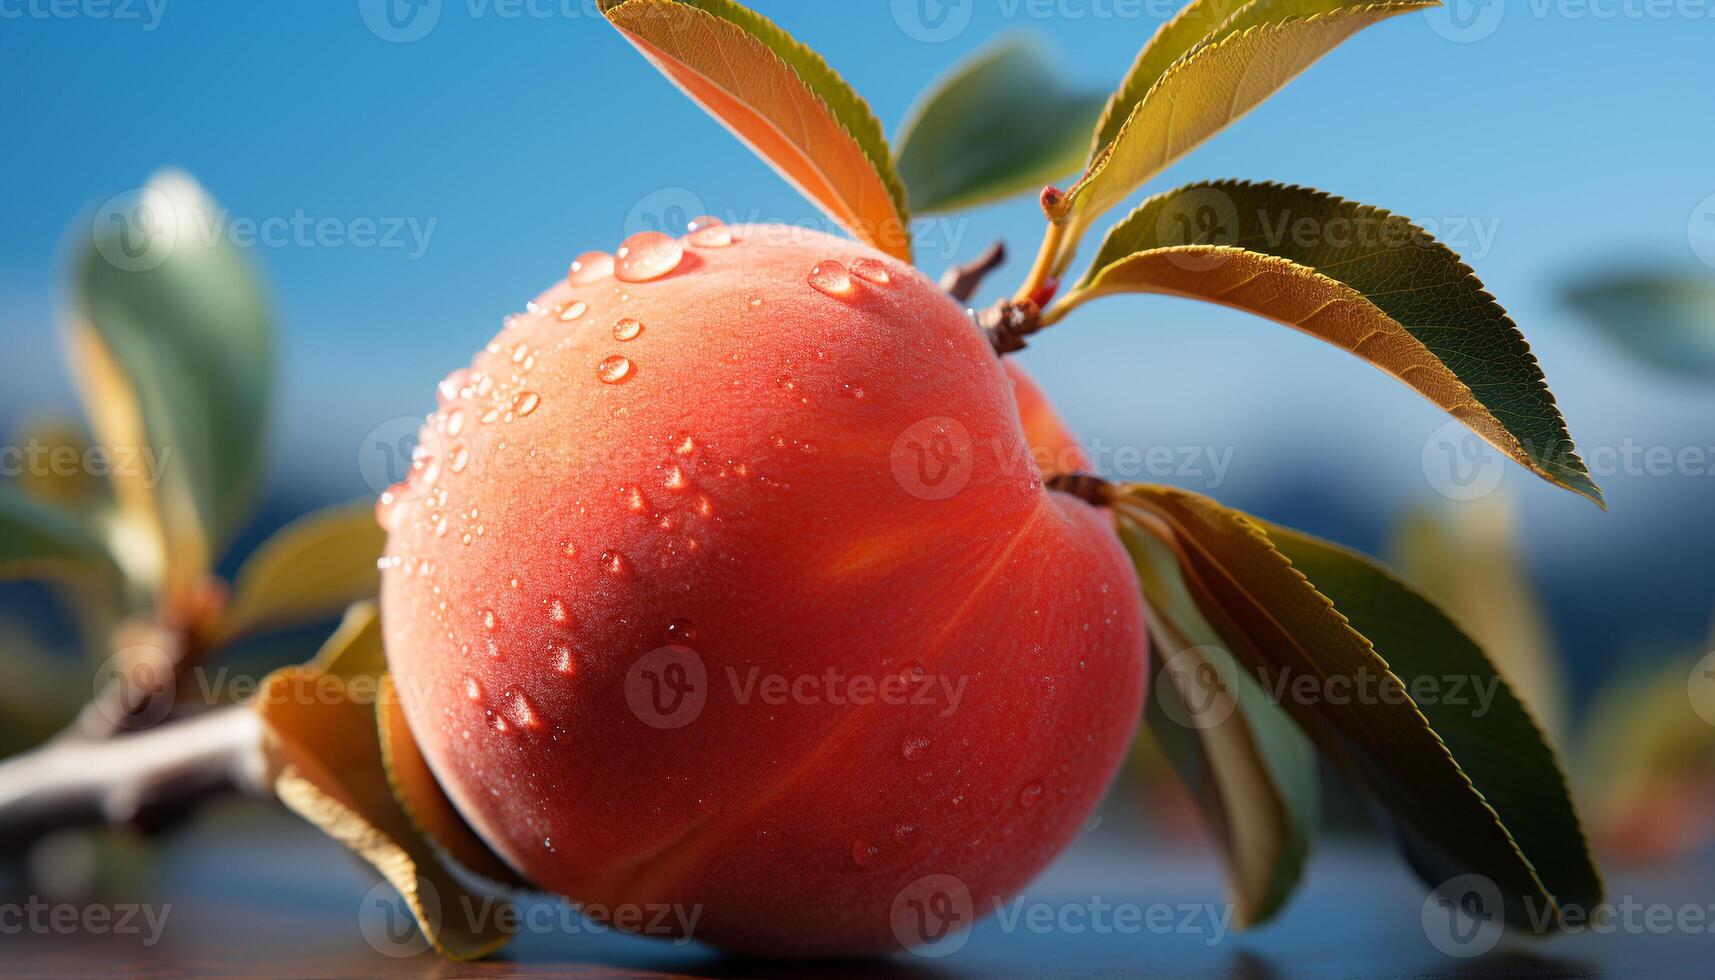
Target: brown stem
{"type": "Point", "coordinates": [962, 281]}
{"type": "Point", "coordinates": [140, 778]}
{"type": "Point", "coordinates": [1008, 322]}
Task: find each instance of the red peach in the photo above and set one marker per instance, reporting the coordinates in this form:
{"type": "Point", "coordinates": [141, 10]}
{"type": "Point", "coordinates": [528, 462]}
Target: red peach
{"type": "Point", "coordinates": [738, 590]}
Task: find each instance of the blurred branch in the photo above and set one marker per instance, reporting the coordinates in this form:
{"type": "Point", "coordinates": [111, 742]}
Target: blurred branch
{"type": "Point", "coordinates": [146, 778]}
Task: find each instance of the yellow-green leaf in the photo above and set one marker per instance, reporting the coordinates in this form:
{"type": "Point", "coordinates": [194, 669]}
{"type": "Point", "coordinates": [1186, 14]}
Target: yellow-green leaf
{"type": "Point", "coordinates": [1005, 122]}
{"type": "Point", "coordinates": [783, 101]}
{"type": "Point", "coordinates": [1250, 769]}
{"type": "Point", "coordinates": [1361, 278]}
{"type": "Point", "coordinates": [1392, 692]}
{"type": "Point", "coordinates": [308, 571]}
{"type": "Point", "coordinates": [38, 539]}
{"type": "Point", "coordinates": [1200, 94]}
{"type": "Point", "coordinates": [173, 336]}
{"type": "Point", "coordinates": [326, 764]}
{"type": "Point", "coordinates": [64, 469]}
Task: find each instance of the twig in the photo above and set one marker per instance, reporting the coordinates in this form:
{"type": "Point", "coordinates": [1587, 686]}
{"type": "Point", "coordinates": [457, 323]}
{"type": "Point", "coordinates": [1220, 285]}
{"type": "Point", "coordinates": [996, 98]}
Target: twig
{"type": "Point", "coordinates": [136, 778]}
{"type": "Point", "coordinates": [962, 281]}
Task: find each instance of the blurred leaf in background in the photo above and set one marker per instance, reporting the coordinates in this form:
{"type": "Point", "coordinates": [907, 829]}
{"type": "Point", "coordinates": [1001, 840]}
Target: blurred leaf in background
{"type": "Point", "coordinates": [1664, 321]}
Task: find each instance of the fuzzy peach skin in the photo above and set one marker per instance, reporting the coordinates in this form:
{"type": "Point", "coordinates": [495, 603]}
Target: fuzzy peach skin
{"type": "Point", "coordinates": [770, 628]}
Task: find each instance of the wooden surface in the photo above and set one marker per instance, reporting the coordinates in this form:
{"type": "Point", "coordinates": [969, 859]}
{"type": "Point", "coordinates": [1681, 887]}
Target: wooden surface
{"type": "Point", "coordinates": [296, 905]}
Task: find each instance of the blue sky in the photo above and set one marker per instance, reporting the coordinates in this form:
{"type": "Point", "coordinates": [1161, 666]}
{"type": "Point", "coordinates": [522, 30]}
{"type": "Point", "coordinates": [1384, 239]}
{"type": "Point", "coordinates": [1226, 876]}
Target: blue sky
{"type": "Point", "coordinates": [1545, 140]}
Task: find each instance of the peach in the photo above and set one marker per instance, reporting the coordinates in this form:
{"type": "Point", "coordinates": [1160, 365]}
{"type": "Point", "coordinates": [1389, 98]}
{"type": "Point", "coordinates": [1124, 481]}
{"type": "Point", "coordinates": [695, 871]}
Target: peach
{"type": "Point", "coordinates": [735, 589]}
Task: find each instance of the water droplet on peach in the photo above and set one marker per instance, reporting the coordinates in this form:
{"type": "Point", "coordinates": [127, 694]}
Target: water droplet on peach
{"type": "Point", "coordinates": [571, 311]}
{"type": "Point", "coordinates": [627, 329]}
{"type": "Point", "coordinates": [616, 564]}
{"type": "Point", "coordinates": [590, 267]}
{"type": "Point", "coordinates": [452, 385]}
{"type": "Point", "coordinates": [709, 231]}
{"type": "Point", "coordinates": [915, 747]}
{"type": "Point", "coordinates": [615, 369]}
{"type": "Point", "coordinates": [458, 459]}
{"type": "Point", "coordinates": [681, 631]}
{"type": "Point", "coordinates": [473, 689]}
{"type": "Point", "coordinates": [863, 852]}
{"type": "Point", "coordinates": [831, 277]}
{"type": "Point", "coordinates": [488, 620]}
{"type": "Point", "coordinates": [1030, 795]}
{"type": "Point", "coordinates": [557, 611]}
{"type": "Point", "coordinates": [524, 713]}
{"type": "Point", "coordinates": [871, 270]}
{"type": "Point", "coordinates": [525, 402]}
{"type": "Point", "coordinates": [675, 479]}
{"type": "Point", "coordinates": [647, 255]}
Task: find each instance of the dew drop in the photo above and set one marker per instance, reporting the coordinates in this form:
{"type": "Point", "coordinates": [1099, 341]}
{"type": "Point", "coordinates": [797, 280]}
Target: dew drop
{"type": "Point", "coordinates": [709, 231]}
{"type": "Point", "coordinates": [563, 662]}
{"type": "Point", "coordinates": [627, 329]}
{"type": "Point", "coordinates": [387, 509]}
{"type": "Point", "coordinates": [647, 255]}
{"type": "Point", "coordinates": [616, 564]}
{"type": "Point", "coordinates": [636, 502]}
{"type": "Point", "coordinates": [571, 311]}
{"type": "Point", "coordinates": [524, 713]}
{"type": "Point", "coordinates": [863, 852]}
{"type": "Point", "coordinates": [590, 267]}
{"type": "Point", "coordinates": [831, 278]}
{"type": "Point", "coordinates": [915, 748]}
{"type": "Point", "coordinates": [615, 369]}
{"type": "Point", "coordinates": [456, 422]}
{"type": "Point", "coordinates": [675, 479]}
{"type": "Point", "coordinates": [1030, 795]}
{"type": "Point", "coordinates": [472, 689]}
{"type": "Point", "coordinates": [681, 631]}
{"type": "Point", "coordinates": [871, 270]}
{"type": "Point", "coordinates": [452, 385]}
{"type": "Point", "coordinates": [903, 832]}
{"type": "Point", "coordinates": [525, 402]}
{"type": "Point", "coordinates": [458, 459]}
{"type": "Point", "coordinates": [488, 620]}
{"type": "Point", "coordinates": [684, 444]}
{"type": "Point", "coordinates": [557, 611]}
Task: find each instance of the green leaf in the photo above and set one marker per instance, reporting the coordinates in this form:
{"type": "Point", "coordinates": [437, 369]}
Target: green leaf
{"type": "Point", "coordinates": [1199, 95]}
{"type": "Point", "coordinates": [1398, 697]}
{"type": "Point", "coordinates": [1466, 559]}
{"type": "Point", "coordinates": [1361, 278]}
{"type": "Point", "coordinates": [783, 101]}
{"type": "Point", "coordinates": [38, 539]}
{"type": "Point", "coordinates": [1005, 122]}
{"type": "Point", "coordinates": [182, 320]}
{"type": "Point", "coordinates": [1665, 322]}
{"type": "Point", "coordinates": [1250, 769]}
{"type": "Point", "coordinates": [308, 570]}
